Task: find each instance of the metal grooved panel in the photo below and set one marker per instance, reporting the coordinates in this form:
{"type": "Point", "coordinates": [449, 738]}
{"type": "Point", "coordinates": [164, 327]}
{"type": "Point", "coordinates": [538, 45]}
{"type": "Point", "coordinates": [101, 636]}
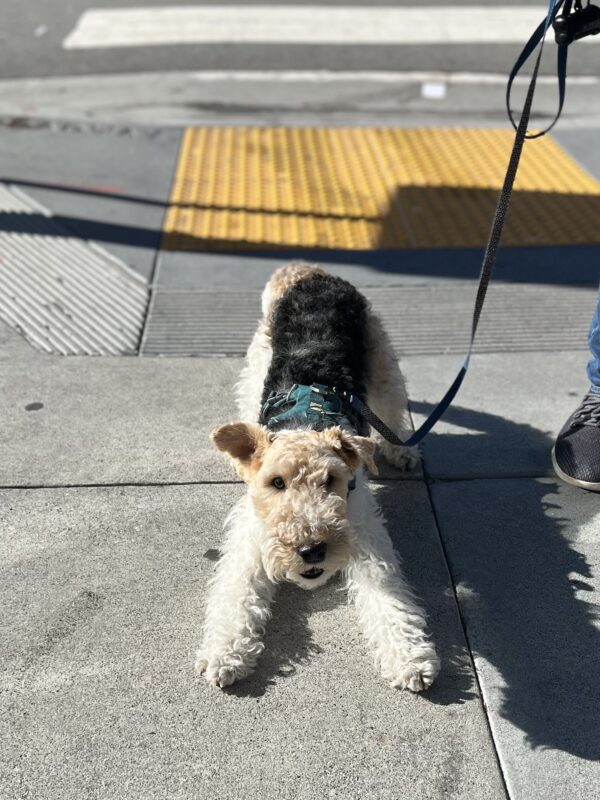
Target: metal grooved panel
{"type": "Point", "coordinates": [64, 295]}
{"type": "Point", "coordinates": [366, 188]}
{"type": "Point", "coordinates": [419, 319]}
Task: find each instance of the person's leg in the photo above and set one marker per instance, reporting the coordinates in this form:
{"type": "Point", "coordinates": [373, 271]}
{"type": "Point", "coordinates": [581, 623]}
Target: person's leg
{"type": "Point", "coordinates": [576, 454]}
{"type": "Point", "coordinates": [594, 342]}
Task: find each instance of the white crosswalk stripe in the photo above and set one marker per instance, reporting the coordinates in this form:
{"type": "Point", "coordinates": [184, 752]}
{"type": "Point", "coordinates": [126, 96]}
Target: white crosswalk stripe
{"type": "Point", "coordinates": [137, 27]}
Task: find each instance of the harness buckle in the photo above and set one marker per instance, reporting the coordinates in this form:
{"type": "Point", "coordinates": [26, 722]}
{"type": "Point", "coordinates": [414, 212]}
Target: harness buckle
{"type": "Point", "coordinates": [343, 393]}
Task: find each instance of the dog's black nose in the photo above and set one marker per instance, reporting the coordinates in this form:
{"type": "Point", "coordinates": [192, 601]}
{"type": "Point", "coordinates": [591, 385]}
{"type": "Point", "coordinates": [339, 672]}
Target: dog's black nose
{"type": "Point", "coordinates": [313, 553]}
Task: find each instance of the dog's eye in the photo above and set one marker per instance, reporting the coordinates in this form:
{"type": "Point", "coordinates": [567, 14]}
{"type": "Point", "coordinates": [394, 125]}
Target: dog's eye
{"type": "Point", "coordinates": [328, 481]}
{"type": "Point", "coordinates": [278, 483]}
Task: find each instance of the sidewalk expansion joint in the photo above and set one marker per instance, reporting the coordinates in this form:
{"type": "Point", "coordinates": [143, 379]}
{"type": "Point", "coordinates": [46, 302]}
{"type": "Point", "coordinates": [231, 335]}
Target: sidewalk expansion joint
{"type": "Point", "coordinates": [466, 638]}
{"type": "Point", "coordinates": [534, 476]}
{"type": "Point", "coordinates": [428, 481]}
{"type": "Point", "coordinates": [406, 478]}
{"type": "Point", "coordinates": [113, 485]}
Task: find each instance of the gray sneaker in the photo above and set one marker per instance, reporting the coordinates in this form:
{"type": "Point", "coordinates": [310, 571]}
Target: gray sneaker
{"type": "Point", "coordinates": [576, 454]}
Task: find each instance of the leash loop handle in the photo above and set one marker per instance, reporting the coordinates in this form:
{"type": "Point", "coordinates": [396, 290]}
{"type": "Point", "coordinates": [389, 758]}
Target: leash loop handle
{"type": "Point", "coordinates": [562, 53]}
{"type": "Point", "coordinates": [489, 257]}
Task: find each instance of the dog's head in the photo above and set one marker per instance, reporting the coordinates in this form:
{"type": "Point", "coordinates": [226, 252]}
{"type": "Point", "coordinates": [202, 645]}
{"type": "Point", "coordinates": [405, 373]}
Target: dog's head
{"type": "Point", "coordinates": [298, 483]}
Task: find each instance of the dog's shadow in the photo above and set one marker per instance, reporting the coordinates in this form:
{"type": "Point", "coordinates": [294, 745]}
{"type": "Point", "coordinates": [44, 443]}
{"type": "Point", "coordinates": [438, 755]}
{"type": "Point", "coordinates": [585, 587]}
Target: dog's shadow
{"type": "Point", "coordinates": [407, 516]}
{"type": "Point", "coordinates": [289, 641]}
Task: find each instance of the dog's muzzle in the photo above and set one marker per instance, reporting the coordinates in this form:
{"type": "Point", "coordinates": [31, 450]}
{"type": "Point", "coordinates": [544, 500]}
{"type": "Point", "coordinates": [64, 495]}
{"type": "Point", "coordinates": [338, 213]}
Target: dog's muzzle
{"type": "Point", "coordinates": [313, 553]}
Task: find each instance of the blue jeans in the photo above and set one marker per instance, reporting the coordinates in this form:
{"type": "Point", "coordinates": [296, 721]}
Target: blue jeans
{"type": "Point", "coordinates": [594, 343]}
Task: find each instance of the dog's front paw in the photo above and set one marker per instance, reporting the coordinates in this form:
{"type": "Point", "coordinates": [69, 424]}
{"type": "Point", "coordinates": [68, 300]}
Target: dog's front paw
{"type": "Point", "coordinates": [416, 673]}
{"type": "Point", "coordinates": [403, 458]}
{"type": "Point", "coordinates": [221, 670]}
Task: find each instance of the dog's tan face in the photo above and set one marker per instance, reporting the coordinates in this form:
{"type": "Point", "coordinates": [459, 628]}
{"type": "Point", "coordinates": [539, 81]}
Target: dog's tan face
{"type": "Point", "coordinates": [299, 485]}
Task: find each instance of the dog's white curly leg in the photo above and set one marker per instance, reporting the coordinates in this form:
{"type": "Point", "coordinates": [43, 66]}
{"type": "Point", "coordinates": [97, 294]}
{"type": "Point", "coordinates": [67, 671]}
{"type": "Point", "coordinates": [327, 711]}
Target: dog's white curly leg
{"type": "Point", "coordinates": [392, 620]}
{"type": "Point", "coordinates": [238, 604]}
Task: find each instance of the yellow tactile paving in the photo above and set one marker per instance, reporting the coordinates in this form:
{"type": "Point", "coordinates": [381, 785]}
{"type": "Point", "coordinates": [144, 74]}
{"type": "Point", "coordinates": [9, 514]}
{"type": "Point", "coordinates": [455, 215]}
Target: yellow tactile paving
{"type": "Point", "coordinates": [365, 188]}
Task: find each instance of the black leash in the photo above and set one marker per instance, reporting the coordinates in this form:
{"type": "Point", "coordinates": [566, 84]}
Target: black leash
{"type": "Point", "coordinates": [571, 27]}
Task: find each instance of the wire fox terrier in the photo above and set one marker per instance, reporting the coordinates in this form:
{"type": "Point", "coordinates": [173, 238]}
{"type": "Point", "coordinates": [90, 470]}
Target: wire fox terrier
{"type": "Point", "coordinates": [308, 512]}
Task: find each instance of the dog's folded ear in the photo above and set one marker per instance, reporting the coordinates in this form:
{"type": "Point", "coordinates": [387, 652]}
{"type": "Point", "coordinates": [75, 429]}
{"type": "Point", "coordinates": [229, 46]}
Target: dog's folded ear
{"type": "Point", "coordinates": [245, 442]}
{"type": "Point", "coordinates": [353, 449]}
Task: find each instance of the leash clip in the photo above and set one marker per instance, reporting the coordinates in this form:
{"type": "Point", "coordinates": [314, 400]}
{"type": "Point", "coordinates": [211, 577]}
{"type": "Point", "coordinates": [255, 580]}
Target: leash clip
{"type": "Point", "coordinates": [582, 22]}
{"type": "Point", "coordinates": [343, 393]}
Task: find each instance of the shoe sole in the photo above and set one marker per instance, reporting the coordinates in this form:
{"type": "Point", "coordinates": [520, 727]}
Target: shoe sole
{"type": "Point", "coordinates": [591, 487]}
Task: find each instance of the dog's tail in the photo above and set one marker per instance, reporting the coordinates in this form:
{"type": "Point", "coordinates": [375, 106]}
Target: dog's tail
{"type": "Point", "coordinates": [282, 279]}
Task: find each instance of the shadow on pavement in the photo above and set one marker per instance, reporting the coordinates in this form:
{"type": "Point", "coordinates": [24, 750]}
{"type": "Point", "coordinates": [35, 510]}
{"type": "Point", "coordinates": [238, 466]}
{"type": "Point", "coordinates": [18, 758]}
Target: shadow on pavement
{"type": "Point", "coordinates": [512, 550]}
{"type": "Point", "coordinates": [289, 640]}
{"type": "Point", "coordinates": [423, 567]}
{"type": "Point", "coordinates": [435, 231]}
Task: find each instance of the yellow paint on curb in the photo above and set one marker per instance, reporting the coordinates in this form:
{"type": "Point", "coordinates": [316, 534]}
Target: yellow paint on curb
{"type": "Point", "coordinates": [371, 188]}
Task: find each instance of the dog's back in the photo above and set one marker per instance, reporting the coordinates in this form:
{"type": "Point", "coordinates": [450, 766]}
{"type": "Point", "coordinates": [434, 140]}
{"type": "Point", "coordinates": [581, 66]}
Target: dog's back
{"type": "Point", "coordinates": [318, 335]}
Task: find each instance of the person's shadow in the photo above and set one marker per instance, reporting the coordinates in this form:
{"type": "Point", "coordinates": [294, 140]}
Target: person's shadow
{"type": "Point", "coordinates": [521, 581]}
{"type": "Point", "coordinates": [521, 585]}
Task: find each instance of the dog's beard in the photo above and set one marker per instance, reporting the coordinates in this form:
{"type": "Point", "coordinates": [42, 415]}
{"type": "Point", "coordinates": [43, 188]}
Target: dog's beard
{"type": "Point", "coordinates": [311, 579]}
{"type": "Point", "coordinates": [282, 562]}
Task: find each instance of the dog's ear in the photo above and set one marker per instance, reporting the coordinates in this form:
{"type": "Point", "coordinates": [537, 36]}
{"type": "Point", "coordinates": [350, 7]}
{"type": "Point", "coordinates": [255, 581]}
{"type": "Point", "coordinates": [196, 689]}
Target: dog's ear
{"type": "Point", "coordinates": [353, 449]}
{"type": "Point", "coordinates": [245, 442]}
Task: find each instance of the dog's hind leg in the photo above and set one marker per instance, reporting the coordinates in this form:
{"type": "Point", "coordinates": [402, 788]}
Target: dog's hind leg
{"type": "Point", "coordinates": [392, 620]}
{"type": "Point", "coordinates": [387, 395]}
{"type": "Point", "coordinates": [238, 604]}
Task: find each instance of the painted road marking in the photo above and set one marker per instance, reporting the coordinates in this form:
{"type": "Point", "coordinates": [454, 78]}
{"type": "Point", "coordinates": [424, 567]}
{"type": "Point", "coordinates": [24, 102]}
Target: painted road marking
{"type": "Point", "coordinates": [138, 27]}
{"type": "Point", "coordinates": [371, 188]}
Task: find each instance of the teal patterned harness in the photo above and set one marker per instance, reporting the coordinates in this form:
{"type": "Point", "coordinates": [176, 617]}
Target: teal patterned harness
{"type": "Point", "coordinates": [319, 405]}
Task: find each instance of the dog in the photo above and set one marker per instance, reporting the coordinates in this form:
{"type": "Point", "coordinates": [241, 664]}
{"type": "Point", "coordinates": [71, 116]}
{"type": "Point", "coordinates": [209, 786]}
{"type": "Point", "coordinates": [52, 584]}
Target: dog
{"type": "Point", "coordinates": [302, 452]}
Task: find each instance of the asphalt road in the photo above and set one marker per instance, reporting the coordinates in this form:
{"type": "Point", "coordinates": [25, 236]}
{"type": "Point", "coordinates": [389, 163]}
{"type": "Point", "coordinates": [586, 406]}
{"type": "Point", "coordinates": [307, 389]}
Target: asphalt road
{"type": "Point", "coordinates": [32, 35]}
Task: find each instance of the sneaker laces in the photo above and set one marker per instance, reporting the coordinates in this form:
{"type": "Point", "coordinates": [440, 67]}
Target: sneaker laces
{"type": "Point", "coordinates": [588, 412]}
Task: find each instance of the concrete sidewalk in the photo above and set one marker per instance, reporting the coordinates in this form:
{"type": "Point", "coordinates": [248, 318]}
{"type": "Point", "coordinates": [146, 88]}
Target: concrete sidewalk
{"type": "Point", "coordinates": [111, 508]}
